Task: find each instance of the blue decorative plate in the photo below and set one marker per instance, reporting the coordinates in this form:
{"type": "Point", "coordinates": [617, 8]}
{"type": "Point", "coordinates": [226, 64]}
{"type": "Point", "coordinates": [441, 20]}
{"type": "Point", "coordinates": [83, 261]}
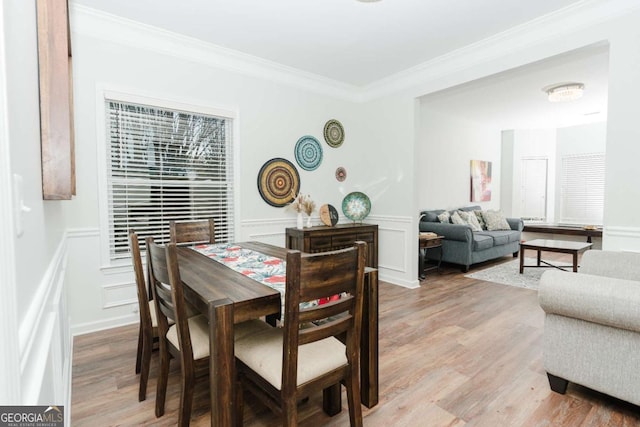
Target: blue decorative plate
{"type": "Point", "coordinates": [308, 153]}
{"type": "Point", "coordinates": [356, 206]}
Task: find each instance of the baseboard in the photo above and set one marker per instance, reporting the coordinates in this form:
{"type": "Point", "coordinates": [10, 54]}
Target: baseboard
{"type": "Point", "coordinates": [101, 325]}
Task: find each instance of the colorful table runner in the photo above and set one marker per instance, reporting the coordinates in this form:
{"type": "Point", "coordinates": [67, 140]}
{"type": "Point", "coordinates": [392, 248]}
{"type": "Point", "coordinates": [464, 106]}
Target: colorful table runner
{"type": "Point", "coordinates": [268, 270]}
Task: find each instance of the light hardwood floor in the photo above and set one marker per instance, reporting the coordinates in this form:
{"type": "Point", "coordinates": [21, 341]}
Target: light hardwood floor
{"type": "Point", "coordinates": [455, 352]}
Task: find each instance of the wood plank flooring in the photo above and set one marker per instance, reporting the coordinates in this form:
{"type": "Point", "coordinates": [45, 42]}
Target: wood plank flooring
{"type": "Point", "coordinates": [455, 352]}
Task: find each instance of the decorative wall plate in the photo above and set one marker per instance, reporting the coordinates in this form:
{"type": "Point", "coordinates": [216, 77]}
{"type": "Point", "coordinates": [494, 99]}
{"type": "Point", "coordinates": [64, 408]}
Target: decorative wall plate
{"type": "Point", "coordinates": [341, 174]}
{"type": "Point", "coordinates": [308, 153]}
{"type": "Point", "coordinates": [278, 182]}
{"type": "Point", "coordinates": [356, 206]}
{"type": "Point", "coordinates": [334, 133]}
{"type": "Point", "coordinates": [328, 215]}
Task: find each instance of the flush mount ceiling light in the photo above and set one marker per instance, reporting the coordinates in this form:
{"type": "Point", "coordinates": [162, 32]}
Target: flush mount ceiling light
{"type": "Point", "coordinates": [564, 91]}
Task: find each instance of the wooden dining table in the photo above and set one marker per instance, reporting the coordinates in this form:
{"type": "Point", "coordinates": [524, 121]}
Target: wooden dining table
{"type": "Point", "coordinates": [227, 297]}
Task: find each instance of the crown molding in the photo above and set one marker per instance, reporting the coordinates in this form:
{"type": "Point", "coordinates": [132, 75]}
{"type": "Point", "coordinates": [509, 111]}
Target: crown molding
{"type": "Point", "coordinates": [111, 28]}
{"type": "Point", "coordinates": [553, 26]}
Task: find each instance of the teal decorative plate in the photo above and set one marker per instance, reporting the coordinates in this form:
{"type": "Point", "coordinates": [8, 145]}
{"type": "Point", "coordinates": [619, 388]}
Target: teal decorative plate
{"type": "Point", "coordinates": [308, 153]}
{"type": "Point", "coordinates": [356, 206]}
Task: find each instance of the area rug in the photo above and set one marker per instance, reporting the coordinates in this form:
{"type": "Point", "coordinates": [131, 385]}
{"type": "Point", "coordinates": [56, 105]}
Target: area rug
{"type": "Point", "coordinates": [508, 273]}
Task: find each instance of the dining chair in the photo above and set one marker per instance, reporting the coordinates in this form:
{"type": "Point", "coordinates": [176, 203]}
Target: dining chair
{"type": "Point", "coordinates": [148, 333]}
{"type": "Point", "coordinates": [318, 346]}
{"type": "Point", "coordinates": [190, 232]}
{"type": "Point", "coordinates": [188, 339]}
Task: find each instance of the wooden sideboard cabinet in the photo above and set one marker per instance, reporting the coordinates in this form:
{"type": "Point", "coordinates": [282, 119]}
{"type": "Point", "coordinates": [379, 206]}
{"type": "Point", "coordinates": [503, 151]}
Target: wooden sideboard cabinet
{"type": "Point", "coordinates": [322, 239]}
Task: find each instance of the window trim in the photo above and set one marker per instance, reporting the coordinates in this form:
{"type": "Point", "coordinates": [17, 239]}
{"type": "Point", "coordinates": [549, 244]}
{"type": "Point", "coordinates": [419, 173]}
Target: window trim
{"type": "Point", "coordinates": [104, 92]}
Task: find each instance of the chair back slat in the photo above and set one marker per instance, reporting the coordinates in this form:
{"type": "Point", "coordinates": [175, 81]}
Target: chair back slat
{"type": "Point", "coordinates": [192, 232]}
{"type": "Point", "coordinates": [330, 329]}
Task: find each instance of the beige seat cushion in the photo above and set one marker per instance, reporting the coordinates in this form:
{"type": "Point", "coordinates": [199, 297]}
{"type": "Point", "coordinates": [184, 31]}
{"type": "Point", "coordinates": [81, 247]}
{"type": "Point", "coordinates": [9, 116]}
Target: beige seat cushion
{"type": "Point", "coordinates": [262, 352]}
{"type": "Point", "coordinates": [154, 316]}
{"type": "Point", "coordinates": [250, 327]}
{"type": "Point", "coordinates": [199, 331]}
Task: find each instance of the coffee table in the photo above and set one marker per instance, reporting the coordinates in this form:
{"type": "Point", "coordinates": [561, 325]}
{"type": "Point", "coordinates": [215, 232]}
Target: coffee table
{"type": "Point", "coordinates": [561, 246]}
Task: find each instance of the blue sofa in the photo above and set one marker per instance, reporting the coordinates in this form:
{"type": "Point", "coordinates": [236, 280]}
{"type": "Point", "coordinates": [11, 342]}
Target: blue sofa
{"type": "Point", "coordinates": [463, 246]}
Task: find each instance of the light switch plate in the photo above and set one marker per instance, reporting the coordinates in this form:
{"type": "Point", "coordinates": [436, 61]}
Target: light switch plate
{"type": "Point", "coordinates": [18, 203]}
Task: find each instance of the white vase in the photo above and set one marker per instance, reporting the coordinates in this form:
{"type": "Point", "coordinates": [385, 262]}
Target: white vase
{"type": "Point", "coordinates": [300, 221]}
{"type": "Point", "coordinates": [309, 221]}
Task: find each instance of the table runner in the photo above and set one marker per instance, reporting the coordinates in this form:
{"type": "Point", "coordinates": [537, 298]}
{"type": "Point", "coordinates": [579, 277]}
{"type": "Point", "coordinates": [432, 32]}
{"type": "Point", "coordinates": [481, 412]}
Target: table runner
{"type": "Point", "coordinates": [268, 270]}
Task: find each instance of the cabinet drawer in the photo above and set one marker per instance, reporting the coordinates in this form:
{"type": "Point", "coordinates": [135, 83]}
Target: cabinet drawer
{"type": "Point", "coordinates": [317, 244]}
{"type": "Point", "coordinates": [343, 240]}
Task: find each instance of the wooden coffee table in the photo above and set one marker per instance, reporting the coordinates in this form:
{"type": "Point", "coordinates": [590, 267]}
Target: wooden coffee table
{"type": "Point", "coordinates": [561, 246]}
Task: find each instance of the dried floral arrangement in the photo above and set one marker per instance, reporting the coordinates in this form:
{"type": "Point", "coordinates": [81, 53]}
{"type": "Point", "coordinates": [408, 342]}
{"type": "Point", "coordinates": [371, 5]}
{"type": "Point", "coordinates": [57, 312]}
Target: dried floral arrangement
{"type": "Point", "coordinates": [302, 203]}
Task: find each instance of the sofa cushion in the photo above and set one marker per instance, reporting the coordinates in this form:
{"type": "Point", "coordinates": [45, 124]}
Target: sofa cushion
{"type": "Point", "coordinates": [457, 219]}
{"type": "Point", "coordinates": [431, 216]}
{"type": "Point", "coordinates": [483, 224]}
{"type": "Point", "coordinates": [444, 217]}
{"type": "Point", "coordinates": [471, 220]}
{"type": "Point", "coordinates": [470, 208]}
{"type": "Point", "coordinates": [495, 220]}
{"type": "Point", "coordinates": [481, 242]}
{"type": "Point", "coordinates": [501, 237]}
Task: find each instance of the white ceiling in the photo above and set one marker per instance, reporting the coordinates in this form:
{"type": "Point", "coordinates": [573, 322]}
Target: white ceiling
{"type": "Point", "coordinates": [515, 100]}
{"type": "Point", "coordinates": [345, 40]}
{"type": "Point", "coordinates": [360, 43]}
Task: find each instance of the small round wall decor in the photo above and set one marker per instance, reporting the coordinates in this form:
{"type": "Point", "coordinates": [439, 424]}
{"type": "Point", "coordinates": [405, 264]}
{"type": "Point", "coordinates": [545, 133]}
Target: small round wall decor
{"type": "Point", "coordinates": [341, 174]}
{"type": "Point", "coordinates": [278, 182]}
{"type": "Point", "coordinates": [308, 153]}
{"type": "Point", "coordinates": [334, 133]}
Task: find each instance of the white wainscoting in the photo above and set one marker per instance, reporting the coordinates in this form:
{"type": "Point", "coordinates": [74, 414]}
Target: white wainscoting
{"type": "Point", "coordinates": [45, 341]}
{"type": "Point", "coordinates": [621, 239]}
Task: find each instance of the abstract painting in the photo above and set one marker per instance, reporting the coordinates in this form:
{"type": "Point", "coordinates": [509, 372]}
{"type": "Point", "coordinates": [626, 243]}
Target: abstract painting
{"type": "Point", "coordinates": [480, 181]}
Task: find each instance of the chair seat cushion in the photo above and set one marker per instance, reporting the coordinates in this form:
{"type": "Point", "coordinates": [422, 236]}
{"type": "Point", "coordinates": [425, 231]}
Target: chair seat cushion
{"type": "Point", "coordinates": [250, 327]}
{"type": "Point", "coordinates": [262, 352]}
{"type": "Point", "coordinates": [154, 316]}
{"type": "Point", "coordinates": [199, 332]}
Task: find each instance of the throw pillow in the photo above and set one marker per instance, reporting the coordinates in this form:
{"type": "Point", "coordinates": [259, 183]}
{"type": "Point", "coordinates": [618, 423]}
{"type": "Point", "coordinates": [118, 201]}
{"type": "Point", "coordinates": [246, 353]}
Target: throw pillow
{"type": "Point", "coordinates": [457, 219]}
{"type": "Point", "coordinates": [470, 218]}
{"type": "Point", "coordinates": [444, 217]}
{"type": "Point", "coordinates": [495, 220]}
{"type": "Point", "coordinates": [480, 218]}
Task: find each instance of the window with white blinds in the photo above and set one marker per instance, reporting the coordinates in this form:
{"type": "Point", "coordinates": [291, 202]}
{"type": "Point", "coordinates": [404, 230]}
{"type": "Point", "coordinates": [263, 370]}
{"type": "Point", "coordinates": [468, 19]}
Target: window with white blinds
{"type": "Point", "coordinates": [166, 165]}
{"type": "Point", "coordinates": [582, 189]}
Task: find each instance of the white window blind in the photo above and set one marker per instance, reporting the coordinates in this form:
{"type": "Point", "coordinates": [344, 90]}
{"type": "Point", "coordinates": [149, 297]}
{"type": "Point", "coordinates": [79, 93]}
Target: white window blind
{"type": "Point", "coordinates": [166, 165]}
{"type": "Point", "coordinates": [582, 189]}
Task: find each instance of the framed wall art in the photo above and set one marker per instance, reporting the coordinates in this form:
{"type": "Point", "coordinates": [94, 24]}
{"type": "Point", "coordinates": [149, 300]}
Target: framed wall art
{"type": "Point", "coordinates": [480, 181]}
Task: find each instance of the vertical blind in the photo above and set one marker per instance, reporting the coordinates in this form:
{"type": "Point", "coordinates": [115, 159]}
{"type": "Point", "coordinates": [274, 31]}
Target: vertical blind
{"type": "Point", "coordinates": [164, 166]}
{"type": "Point", "coordinates": [582, 189]}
